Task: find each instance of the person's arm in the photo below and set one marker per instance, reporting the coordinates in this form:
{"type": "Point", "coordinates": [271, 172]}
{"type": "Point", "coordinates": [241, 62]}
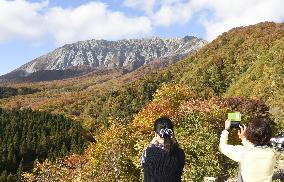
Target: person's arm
{"type": "Point", "coordinates": [143, 157]}
{"type": "Point", "coordinates": [234, 152]}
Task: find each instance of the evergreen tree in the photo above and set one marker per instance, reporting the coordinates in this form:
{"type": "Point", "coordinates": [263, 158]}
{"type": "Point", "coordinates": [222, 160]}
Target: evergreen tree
{"type": "Point", "coordinates": [20, 168]}
{"type": "Point", "coordinates": [26, 135]}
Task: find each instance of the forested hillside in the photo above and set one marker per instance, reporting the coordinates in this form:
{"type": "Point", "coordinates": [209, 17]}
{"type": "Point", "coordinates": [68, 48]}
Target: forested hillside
{"type": "Point", "coordinates": [241, 70]}
{"type": "Point", "coordinates": [245, 62]}
{"type": "Point", "coordinates": [26, 136]}
{"type": "Point", "coordinates": [77, 96]}
{"type": "Point", "coordinates": [6, 92]}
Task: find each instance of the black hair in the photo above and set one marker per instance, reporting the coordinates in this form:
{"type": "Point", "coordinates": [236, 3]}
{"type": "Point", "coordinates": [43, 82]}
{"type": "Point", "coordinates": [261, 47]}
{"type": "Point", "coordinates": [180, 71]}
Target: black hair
{"type": "Point", "coordinates": [164, 128]}
{"type": "Point", "coordinates": [259, 131]}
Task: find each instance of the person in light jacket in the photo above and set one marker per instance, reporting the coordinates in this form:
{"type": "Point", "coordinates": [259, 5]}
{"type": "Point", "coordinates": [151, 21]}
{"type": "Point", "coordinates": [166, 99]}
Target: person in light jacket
{"type": "Point", "coordinates": [256, 159]}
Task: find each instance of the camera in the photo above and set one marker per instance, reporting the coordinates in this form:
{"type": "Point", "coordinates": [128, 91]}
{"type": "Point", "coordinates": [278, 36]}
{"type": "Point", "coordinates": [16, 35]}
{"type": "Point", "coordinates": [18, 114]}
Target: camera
{"type": "Point", "coordinates": [235, 118]}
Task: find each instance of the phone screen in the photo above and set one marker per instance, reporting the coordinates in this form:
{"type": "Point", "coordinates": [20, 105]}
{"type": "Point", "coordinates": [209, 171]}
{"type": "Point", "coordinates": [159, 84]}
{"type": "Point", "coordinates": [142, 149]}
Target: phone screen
{"type": "Point", "coordinates": [234, 116]}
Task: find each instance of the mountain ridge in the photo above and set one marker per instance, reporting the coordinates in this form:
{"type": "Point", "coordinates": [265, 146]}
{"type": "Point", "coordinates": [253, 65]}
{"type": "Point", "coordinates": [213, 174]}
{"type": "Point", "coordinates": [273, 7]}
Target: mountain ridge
{"type": "Point", "coordinates": [128, 54]}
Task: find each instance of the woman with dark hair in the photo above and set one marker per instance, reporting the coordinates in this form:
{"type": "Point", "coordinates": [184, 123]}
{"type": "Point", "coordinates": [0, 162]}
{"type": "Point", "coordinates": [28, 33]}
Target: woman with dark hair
{"type": "Point", "coordinates": [163, 160]}
{"type": "Point", "coordinates": [256, 159]}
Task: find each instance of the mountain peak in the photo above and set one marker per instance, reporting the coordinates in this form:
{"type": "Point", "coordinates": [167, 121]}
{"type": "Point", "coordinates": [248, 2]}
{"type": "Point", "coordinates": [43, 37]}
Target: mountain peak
{"type": "Point", "coordinates": [128, 54]}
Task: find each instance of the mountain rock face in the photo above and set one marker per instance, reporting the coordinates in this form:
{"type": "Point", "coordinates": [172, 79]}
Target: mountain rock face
{"type": "Point", "coordinates": [101, 54]}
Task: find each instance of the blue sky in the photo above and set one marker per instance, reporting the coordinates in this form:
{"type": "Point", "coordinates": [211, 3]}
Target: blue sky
{"type": "Point", "coordinates": [31, 28]}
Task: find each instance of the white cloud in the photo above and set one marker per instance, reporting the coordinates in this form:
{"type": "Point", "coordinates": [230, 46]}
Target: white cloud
{"type": "Point", "coordinates": [229, 14]}
{"type": "Point", "coordinates": [172, 12]}
{"type": "Point", "coordinates": [163, 12]}
{"type": "Point", "coordinates": [25, 20]}
{"type": "Point", "coordinates": [21, 19]}
{"type": "Point", "coordinates": [94, 20]}
{"type": "Point", "coordinates": [144, 5]}
{"type": "Point", "coordinates": [215, 16]}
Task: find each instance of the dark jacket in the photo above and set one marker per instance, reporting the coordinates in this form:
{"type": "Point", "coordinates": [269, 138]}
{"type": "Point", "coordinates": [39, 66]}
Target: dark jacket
{"type": "Point", "coordinates": [160, 166]}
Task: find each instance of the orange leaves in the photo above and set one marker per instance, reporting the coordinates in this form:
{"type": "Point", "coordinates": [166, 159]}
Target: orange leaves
{"type": "Point", "coordinates": [245, 61]}
{"type": "Point", "coordinates": [201, 105]}
{"type": "Point", "coordinates": [68, 169]}
{"type": "Point", "coordinates": [166, 102]}
{"type": "Point", "coordinates": [176, 93]}
{"type": "Point", "coordinates": [145, 119]}
{"type": "Point", "coordinates": [198, 124]}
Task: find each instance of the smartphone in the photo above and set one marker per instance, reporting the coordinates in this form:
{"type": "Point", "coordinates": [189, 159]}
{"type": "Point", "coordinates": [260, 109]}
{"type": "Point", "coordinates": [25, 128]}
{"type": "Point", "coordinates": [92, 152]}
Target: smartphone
{"type": "Point", "coordinates": [235, 118]}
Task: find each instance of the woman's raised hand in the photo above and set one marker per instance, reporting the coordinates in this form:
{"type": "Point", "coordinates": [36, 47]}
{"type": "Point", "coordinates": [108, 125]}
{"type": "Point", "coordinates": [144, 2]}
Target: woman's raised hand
{"type": "Point", "coordinates": [155, 140]}
{"type": "Point", "coordinates": [227, 124]}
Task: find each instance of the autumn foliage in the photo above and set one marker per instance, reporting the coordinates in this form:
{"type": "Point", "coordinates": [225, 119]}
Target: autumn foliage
{"type": "Point", "coordinates": [241, 70]}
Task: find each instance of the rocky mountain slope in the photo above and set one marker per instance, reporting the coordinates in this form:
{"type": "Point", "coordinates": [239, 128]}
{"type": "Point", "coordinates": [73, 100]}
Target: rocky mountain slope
{"type": "Point", "coordinates": [102, 54]}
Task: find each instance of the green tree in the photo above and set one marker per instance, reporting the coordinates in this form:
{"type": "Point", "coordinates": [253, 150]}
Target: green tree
{"type": "Point", "coordinates": [20, 168]}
